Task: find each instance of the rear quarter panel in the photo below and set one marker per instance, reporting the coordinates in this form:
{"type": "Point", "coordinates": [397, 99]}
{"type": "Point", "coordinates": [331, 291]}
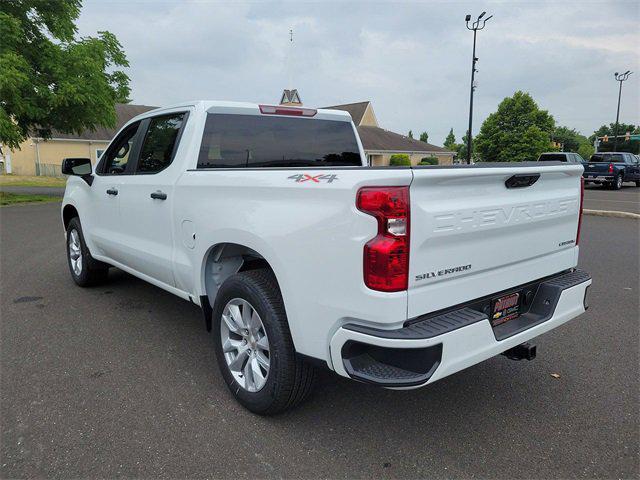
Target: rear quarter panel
{"type": "Point", "coordinates": [310, 232]}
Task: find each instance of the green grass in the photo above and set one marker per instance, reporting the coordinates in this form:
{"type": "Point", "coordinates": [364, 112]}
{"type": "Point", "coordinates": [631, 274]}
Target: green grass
{"type": "Point", "coordinates": [14, 198]}
{"type": "Point", "coordinates": [28, 181]}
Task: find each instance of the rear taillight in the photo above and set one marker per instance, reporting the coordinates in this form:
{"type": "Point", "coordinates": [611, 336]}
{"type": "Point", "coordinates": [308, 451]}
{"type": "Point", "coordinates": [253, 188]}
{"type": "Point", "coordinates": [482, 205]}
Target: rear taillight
{"type": "Point", "coordinates": [386, 256]}
{"type": "Point", "coordinates": [581, 203]}
{"type": "Point", "coordinates": [611, 168]}
{"type": "Point", "coordinates": [294, 111]}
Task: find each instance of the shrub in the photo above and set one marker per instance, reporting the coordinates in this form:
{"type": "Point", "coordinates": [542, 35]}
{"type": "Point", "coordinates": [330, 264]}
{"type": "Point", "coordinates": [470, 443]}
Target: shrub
{"type": "Point", "coordinates": [432, 160]}
{"type": "Point", "coordinates": [400, 160]}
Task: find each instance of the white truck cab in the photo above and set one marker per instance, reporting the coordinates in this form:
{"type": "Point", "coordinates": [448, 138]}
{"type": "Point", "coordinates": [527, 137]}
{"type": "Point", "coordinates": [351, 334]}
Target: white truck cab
{"type": "Point", "coordinates": [300, 254]}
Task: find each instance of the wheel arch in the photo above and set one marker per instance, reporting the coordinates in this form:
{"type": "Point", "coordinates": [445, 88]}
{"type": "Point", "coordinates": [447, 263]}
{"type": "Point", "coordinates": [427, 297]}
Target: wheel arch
{"type": "Point", "coordinates": [69, 211]}
{"type": "Point", "coordinates": [220, 262]}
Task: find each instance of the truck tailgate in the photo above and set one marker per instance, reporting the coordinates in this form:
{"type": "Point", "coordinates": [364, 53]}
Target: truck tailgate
{"type": "Point", "coordinates": [471, 236]}
{"type": "Point", "coordinates": [599, 168]}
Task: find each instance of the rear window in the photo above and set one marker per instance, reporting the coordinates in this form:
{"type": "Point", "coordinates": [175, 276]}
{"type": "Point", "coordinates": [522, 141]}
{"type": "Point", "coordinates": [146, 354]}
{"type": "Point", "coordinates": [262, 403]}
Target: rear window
{"type": "Point", "coordinates": [552, 157]}
{"type": "Point", "coordinates": [607, 157]}
{"type": "Point", "coordinates": [238, 141]}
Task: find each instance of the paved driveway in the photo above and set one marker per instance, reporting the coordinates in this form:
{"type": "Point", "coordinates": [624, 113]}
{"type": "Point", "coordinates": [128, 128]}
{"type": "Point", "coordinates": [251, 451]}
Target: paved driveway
{"type": "Point", "coordinates": [120, 381]}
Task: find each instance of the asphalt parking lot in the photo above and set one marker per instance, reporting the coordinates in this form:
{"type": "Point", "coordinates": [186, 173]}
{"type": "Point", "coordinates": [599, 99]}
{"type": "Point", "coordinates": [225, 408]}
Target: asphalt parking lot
{"type": "Point", "coordinates": [627, 199]}
{"type": "Point", "coordinates": [120, 381]}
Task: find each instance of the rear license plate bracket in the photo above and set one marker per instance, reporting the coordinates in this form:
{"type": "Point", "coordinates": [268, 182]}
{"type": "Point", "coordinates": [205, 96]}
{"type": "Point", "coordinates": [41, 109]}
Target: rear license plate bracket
{"type": "Point", "coordinates": [505, 308]}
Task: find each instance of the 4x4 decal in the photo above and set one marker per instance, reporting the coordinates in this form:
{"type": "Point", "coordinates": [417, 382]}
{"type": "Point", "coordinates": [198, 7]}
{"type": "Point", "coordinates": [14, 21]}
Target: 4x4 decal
{"type": "Point", "coordinates": [305, 177]}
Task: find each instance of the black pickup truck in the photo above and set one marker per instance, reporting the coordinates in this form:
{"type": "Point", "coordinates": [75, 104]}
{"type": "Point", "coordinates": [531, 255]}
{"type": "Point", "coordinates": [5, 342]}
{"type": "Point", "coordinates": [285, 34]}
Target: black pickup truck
{"type": "Point", "coordinates": [612, 169]}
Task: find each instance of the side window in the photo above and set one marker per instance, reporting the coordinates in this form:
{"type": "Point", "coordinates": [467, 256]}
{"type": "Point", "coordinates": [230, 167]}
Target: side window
{"type": "Point", "coordinates": [160, 143]}
{"type": "Point", "coordinates": [115, 160]}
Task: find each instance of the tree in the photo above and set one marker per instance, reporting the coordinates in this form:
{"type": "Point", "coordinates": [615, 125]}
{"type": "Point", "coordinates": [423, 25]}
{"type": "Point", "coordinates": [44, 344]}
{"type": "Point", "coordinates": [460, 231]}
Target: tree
{"type": "Point", "coordinates": [410, 134]}
{"type": "Point", "coordinates": [461, 148]}
{"type": "Point", "coordinates": [450, 141]}
{"type": "Point", "coordinates": [632, 146]}
{"type": "Point", "coordinates": [517, 131]}
{"type": "Point", "coordinates": [51, 80]}
{"type": "Point", "coordinates": [424, 137]}
{"type": "Point", "coordinates": [586, 150]}
{"type": "Point", "coordinates": [430, 160]}
{"type": "Point", "coordinates": [399, 159]}
{"type": "Point", "coordinates": [569, 138]}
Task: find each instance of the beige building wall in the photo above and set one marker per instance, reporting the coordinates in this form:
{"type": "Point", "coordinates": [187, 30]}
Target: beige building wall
{"type": "Point", "coordinates": [51, 153]}
{"type": "Point", "coordinates": [382, 160]}
{"type": "Point", "coordinates": [369, 118]}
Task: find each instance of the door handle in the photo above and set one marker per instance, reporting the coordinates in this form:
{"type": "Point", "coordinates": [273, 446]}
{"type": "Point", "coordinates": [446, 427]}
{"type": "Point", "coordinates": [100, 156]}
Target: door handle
{"type": "Point", "coordinates": [112, 191]}
{"type": "Point", "coordinates": [159, 195]}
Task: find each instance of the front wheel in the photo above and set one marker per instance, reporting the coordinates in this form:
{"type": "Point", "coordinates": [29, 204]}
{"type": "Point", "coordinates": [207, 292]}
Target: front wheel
{"type": "Point", "coordinates": [253, 345]}
{"type": "Point", "coordinates": [84, 269]}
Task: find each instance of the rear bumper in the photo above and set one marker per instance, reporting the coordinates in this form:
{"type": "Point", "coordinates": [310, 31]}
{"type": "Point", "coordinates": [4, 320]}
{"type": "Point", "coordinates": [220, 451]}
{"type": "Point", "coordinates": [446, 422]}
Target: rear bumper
{"type": "Point", "coordinates": [437, 346]}
{"type": "Point", "coordinates": [598, 178]}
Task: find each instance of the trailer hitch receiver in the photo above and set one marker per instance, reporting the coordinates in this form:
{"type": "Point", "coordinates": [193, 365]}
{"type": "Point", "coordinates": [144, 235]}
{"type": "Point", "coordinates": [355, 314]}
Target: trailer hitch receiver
{"type": "Point", "coordinates": [524, 351]}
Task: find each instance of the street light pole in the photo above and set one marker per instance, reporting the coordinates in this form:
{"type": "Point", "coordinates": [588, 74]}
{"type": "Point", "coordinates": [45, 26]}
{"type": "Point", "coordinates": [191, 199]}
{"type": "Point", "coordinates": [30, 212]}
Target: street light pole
{"type": "Point", "coordinates": [475, 26]}
{"type": "Point", "coordinates": [620, 78]}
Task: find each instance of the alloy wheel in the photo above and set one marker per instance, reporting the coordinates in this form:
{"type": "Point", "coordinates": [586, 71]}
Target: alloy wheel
{"type": "Point", "coordinates": [245, 344]}
{"type": "Point", "coordinates": [75, 252]}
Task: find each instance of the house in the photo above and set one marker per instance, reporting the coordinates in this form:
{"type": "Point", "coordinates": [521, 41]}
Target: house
{"type": "Point", "coordinates": [37, 156]}
{"type": "Point", "coordinates": [379, 144]}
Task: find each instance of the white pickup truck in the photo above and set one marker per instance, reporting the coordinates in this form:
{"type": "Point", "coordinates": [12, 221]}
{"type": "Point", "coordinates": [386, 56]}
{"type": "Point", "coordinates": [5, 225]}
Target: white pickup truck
{"type": "Point", "coordinates": [300, 255]}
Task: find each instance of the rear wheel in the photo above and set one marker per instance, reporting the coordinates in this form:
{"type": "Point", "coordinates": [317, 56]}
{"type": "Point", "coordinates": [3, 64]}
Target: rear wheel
{"type": "Point", "coordinates": [84, 269]}
{"type": "Point", "coordinates": [253, 345]}
{"type": "Point", "coordinates": [617, 183]}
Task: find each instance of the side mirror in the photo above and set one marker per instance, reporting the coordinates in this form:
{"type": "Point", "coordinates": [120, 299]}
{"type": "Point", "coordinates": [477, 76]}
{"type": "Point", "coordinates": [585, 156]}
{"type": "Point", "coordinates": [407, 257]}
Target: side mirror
{"type": "Point", "coordinates": [80, 167]}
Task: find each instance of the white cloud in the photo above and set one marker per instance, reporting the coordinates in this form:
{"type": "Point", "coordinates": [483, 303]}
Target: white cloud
{"type": "Point", "coordinates": [412, 59]}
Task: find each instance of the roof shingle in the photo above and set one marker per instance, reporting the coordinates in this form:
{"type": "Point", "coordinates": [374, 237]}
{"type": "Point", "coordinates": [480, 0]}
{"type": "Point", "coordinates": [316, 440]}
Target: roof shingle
{"type": "Point", "coordinates": [379, 139]}
{"type": "Point", "coordinates": [356, 110]}
{"type": "Point", "coordinates": [124, 113]}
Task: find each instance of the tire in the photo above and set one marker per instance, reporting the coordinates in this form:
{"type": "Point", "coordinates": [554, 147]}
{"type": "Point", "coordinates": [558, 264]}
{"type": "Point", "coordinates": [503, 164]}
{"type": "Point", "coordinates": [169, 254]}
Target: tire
{"type": "Point", "coordinates": [637, 183]}
{"type": "Point", "coordinates": [288, 380]}
{"type": "Point", "coordinates": [617, 183]}
{"type": "Point", "coordinates": [84, 269]}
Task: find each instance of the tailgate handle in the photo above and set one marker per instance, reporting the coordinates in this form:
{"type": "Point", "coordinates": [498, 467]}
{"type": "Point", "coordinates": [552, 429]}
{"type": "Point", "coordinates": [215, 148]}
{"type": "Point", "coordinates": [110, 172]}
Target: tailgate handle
{"type": "Point", "coordinates": [522, 180]}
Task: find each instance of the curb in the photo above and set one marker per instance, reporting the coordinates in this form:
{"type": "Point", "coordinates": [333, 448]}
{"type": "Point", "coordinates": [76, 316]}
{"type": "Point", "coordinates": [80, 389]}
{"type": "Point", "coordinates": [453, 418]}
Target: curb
{"type": "Point", "coordinates": [611, 213]}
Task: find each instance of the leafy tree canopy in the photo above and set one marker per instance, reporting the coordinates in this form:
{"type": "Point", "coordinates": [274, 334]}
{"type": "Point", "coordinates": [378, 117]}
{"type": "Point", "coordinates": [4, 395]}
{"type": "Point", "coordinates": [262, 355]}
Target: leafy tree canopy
{"type": "Point", "coordinates": [424, 137]}
{"type": "Point", "coordinates": [632, 146]}
{"type": "Point", "coordinates": [569, 137]}
{"type": "Point", "coordinates": [410, 134]}
{"type": "Point", "coordinates": [586, 150]}
{"type": "Point", "coordinates": [49, 79]}
{"type": "Point", "coordinates": [462, 148]}
{"type": "Point", "coordinates": [518, 131]}
{"type": "Point", "coordinates": [450, 141]}
{"type": "Point", "coordinates": [399, 159]}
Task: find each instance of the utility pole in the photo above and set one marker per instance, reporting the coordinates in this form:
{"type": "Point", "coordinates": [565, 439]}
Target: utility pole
{"type": "Point", "coordinates": [619, 78]}
{"type": "Point", "coordinates": [475, 26]}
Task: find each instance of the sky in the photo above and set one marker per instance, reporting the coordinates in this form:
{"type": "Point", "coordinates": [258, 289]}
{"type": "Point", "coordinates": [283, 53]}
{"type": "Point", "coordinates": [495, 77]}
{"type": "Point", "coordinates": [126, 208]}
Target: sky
{"type": "Point", "coordinates": [412, 60]}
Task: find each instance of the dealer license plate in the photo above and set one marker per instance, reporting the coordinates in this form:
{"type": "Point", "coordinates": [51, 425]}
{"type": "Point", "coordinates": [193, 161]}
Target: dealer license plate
{"type": "Point", "coordinates": [505, 308]}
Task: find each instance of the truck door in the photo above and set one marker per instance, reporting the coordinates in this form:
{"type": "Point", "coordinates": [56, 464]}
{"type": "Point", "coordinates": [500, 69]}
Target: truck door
{"type": "Point", "coordinates": [103, 222]}
{"type": "Point", "coordinates": [146, 199]}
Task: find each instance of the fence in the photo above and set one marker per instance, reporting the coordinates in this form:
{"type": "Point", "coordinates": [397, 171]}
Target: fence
{"type": "Point", "coordinates": [48, 170]}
